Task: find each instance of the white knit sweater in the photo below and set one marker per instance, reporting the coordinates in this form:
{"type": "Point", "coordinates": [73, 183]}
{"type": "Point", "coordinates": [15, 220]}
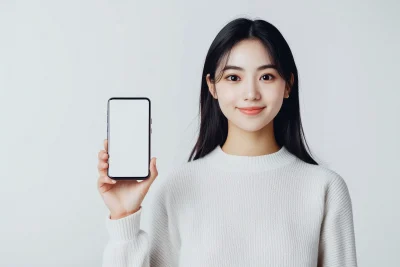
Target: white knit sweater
{"type": "Point", "coordinates": [227, 210]}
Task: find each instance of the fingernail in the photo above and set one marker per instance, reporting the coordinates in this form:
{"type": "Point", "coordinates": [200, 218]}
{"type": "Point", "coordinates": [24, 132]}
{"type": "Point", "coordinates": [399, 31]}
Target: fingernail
{"type": "Point", "coordinates": [113, 181]}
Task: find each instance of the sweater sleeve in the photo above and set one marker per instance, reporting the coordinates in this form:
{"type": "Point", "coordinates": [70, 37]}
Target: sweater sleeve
{"type": "Point", "coordinates": [130, 246]}
{"type": "Point", "coordinates": [337, 245]}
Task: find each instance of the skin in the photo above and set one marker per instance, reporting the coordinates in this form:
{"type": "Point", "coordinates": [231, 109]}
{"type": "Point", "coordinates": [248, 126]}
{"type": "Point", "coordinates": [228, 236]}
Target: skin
{"type": "Point", "coordinates": [249, 135]}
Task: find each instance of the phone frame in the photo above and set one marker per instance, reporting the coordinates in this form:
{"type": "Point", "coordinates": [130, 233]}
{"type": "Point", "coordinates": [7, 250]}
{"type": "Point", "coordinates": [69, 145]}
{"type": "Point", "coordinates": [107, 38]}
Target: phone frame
{"type": "Point", "coordinates": [150, 132]}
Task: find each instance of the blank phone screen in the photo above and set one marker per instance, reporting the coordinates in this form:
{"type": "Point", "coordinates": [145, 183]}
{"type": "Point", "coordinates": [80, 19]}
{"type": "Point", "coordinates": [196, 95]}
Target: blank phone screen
{"type": "Point", "coordinates": [128, 133]}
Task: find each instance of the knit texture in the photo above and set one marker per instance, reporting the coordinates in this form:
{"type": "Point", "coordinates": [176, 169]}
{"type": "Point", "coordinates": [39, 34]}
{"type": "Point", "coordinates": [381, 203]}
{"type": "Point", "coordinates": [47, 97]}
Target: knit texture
{"type": "Point", "coordinates": [226, 210]}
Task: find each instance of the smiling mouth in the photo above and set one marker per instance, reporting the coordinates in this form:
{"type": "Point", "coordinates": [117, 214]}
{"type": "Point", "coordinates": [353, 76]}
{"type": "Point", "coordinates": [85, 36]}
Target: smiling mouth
{"type": "Point", "coordinates": [251, 111]}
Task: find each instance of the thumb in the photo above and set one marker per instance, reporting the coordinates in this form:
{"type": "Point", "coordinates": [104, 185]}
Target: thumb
{"type": "Point", "coordinates": [153, 172]}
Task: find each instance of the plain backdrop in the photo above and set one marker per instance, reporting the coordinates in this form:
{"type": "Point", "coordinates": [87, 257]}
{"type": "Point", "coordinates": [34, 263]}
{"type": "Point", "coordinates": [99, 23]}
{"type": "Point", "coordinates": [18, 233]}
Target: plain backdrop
{"type": "Point", "coordinates": [60, 61]}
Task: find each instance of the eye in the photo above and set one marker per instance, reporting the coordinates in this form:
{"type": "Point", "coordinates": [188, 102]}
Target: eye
{"type": "Point", "coordinates": [227, 77]}
{"type": "Point", "coordinates": [272, 76]}
{"type": "Point", "coordinates": [265, 75]}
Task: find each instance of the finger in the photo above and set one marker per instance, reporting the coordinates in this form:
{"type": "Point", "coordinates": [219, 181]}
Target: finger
{"type": "Point", "coordinates": [105, 180]}
{"type": "Point", "coordinates": [106, 145]}
{"type": "Point", "coordinates": [102, 167]}
{"type": "Point", "coordinates": [102, 155]}
{"type": "Point", "coordinates": [104, 183]}
{"type": "Point", "coordinates": [153, 173]}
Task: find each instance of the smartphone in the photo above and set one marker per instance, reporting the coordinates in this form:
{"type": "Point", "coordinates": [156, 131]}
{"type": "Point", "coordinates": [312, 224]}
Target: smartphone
{"type": "Point", "coordinates": [129, 137]}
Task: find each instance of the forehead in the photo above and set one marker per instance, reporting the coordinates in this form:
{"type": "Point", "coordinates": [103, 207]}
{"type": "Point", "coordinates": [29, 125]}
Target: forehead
{"type": "Point", "coordinates": [248, 54]}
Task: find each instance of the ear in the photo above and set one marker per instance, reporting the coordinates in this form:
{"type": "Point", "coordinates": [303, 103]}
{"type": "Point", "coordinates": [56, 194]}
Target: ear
{"type": "Point", "coordinates": [289, 86]}
{"type": "Point", "coordinates": [211, 86]}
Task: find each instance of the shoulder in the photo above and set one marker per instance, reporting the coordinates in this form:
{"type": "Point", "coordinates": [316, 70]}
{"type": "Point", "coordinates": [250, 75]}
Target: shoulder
{"type": "Point", "coordinates": [333, 180]}
{"type": "Point", "coordinates": [174, 185]}
{"type": "Point", "coordinates": [180, 174]}
{"type": "Point", "coordinates": [322, 173]}
{"type": "Point", "coordinates": [323, 177]}
{"type": "Point", "coordinates": [187, 169]}
{"type": "Point", "coordinates": [334, 185]}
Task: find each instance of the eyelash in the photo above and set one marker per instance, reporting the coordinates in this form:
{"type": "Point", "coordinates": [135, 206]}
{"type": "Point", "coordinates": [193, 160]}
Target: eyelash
{"type": "Point", "coordinates": [226, 78]}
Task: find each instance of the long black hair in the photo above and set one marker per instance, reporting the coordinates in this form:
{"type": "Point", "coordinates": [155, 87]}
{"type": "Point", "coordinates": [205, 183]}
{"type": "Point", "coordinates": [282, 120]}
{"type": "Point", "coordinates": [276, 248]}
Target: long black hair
{"type": "Point", "coordinates": [288, 129]}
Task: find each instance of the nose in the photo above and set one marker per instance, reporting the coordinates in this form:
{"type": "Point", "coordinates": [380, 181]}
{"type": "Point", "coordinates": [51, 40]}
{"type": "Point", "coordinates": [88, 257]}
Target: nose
{"type": "Point", "coordinates": [251, 92]}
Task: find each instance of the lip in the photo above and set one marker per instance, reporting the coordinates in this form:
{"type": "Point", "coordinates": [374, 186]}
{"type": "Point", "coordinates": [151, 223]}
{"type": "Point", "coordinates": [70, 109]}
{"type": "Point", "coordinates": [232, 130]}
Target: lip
{"type": "Point", "coordinates": [252, 110]}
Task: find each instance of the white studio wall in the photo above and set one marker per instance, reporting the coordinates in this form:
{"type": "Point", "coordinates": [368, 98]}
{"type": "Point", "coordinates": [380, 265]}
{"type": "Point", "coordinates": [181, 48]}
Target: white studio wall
{"type": "Point", "coordinates": [60, 61]}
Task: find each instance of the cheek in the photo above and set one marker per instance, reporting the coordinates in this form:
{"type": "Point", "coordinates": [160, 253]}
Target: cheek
{"type": "Point", "coordinates": [274, 92]}
{"type": "Point", "coordinates": [273, 98]}
{"type": "Point", "coordinates": [227, 99]}
{"type": "Point", "coordinates": [273, 101]}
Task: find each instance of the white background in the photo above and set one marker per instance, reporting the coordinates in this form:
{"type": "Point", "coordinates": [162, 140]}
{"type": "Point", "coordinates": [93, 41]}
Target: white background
{"type": "Point", "coordinates": [60, 61]}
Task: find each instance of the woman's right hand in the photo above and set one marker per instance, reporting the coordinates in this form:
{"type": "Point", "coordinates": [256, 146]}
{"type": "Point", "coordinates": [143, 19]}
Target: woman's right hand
{"type": "Point", "coordinates": [122, 197]}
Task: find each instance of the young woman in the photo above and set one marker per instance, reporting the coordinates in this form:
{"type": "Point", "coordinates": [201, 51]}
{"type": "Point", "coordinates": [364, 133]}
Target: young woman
{"type": "Point", "coordinates": [250, 193]}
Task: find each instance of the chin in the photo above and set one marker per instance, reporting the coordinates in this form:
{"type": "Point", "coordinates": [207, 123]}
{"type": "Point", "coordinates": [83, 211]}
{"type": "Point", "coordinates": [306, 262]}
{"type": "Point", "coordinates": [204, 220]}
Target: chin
{"type": "Point", "coordinates": [251, 126]}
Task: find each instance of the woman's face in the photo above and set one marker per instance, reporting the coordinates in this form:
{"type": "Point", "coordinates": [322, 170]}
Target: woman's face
{"type": "Point", "coordinates": [249, 86]}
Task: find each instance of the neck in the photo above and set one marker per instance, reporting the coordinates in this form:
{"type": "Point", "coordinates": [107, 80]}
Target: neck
{"type": "Point", "coordinates": [244, 143]}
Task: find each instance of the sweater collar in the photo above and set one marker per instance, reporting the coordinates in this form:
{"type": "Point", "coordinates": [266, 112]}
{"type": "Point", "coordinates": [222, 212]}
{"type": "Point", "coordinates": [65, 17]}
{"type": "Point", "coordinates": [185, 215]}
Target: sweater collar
{"type": "Point", "coordinates": [235, 163]}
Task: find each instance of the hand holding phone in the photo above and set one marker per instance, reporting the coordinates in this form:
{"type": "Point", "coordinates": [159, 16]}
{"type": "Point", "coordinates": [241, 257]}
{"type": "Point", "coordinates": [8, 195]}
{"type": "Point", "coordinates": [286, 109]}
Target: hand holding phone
{"type": "Point", "coordinates": [123, 197]}
{"type": "Point", "coordinates": [126, 155]}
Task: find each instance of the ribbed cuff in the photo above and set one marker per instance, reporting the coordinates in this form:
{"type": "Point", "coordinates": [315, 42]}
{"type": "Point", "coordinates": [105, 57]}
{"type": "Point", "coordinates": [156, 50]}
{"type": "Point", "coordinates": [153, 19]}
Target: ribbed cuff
{"type": "Point", "coordinates": [126, 228]}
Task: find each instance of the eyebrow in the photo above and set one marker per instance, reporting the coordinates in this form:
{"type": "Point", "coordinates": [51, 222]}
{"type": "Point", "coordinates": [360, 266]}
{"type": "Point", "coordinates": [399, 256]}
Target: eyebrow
{"type": "Point", "coordinates": [266, 66]}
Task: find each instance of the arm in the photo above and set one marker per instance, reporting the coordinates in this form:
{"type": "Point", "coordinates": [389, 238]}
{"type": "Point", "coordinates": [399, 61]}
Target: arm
{"type": "Point", "coordinates": [337, 245]}
{"type": "Point", "coordinates": [129, 246]}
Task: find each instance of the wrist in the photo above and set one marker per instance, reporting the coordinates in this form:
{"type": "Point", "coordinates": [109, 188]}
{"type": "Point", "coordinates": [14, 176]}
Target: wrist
{"type": "Point", "coordinates": [118, 216]}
